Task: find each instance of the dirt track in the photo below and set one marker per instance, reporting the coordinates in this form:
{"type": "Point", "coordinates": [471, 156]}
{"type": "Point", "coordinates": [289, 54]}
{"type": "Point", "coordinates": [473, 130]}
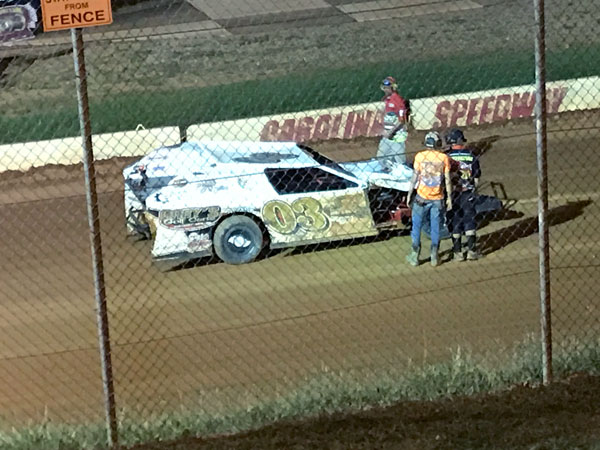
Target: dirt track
{"type": "Point", "coordinates": [215, 335]}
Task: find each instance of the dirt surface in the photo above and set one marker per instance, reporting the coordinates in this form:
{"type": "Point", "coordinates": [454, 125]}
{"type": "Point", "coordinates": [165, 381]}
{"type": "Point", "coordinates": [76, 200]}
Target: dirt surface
{"type": "Point", "coordinates": [224, 336]}
{"type": "Point", "coordinates": [561, 416]}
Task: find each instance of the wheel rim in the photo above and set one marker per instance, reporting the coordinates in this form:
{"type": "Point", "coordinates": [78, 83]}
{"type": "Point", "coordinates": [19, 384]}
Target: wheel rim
{"type": "Point", "coordinates": [239, 241]}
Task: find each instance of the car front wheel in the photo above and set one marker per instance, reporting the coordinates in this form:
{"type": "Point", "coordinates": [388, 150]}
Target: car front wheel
{"type": "Point", "coordinates": [238, 240]}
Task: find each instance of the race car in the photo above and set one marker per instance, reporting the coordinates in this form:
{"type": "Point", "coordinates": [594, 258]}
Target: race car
{"type": "Point", "coordinates": [234, 199]}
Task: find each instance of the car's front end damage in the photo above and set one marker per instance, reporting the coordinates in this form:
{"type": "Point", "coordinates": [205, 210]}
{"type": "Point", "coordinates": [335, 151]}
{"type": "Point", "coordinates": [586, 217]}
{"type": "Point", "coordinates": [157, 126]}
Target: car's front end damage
{"type": "Point", "coordinates": [182, 218]}
{"type": "Point", "coordinates": [165, 166]}
{"type": "Point", "coordinates": [181, 233]}
{"type": "Point", "coordinates": [135, 194]}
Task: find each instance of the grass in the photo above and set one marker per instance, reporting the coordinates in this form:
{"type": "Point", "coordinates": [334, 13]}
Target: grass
{"type": "Point", "coordinates": [325, 393]}
{"type": "Point", "coordinates": [308, 90]}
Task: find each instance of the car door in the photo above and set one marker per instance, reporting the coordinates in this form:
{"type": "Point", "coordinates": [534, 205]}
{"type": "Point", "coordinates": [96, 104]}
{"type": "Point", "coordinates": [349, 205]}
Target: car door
{"type": "Point", "coordinates": [315, 205]}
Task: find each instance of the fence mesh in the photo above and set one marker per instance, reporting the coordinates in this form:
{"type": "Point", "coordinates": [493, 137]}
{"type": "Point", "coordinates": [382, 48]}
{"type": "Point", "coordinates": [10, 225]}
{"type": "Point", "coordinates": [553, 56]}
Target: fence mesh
{"type": "Point", "coordinates": [206, 89]}
{"type": "Point", "coordinates": [573, 215]}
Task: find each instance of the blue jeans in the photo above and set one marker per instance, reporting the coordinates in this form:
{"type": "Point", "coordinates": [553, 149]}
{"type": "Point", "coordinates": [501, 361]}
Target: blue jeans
{"type": "Point", "coordinates": [431, 209]}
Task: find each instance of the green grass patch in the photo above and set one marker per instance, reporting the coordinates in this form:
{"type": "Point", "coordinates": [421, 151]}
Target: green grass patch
{"type": "Point", "coordinates": [302, 91]}
{"type": "Point", "coordinates": [328, 392]}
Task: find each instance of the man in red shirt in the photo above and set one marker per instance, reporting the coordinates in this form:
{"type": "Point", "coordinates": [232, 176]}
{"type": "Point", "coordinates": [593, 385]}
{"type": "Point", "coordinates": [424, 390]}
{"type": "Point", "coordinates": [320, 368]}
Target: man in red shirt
{"type": "Point", "coordinates": [392, 147]}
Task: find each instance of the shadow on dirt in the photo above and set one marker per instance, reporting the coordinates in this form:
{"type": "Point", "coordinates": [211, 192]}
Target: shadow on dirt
{"type": "Point", "coordinates": [488, 243]}
{"type": "Point", "coordinates": [504, 214]}
{"type": "Point", "coordinates": [302, 249]}
{"type": "Point", "coordinates": [382, 236]}
{"type": "Point", "coordinates": [482, 220]}
{"type": "Point", "coordinates": [482, 146]}
{"type": "Point", "coordinates": [491, 242]}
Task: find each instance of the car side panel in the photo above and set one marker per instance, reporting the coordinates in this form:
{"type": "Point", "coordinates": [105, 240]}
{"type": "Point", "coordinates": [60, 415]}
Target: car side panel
{"type": "Point", "coordinates": [297, 219]}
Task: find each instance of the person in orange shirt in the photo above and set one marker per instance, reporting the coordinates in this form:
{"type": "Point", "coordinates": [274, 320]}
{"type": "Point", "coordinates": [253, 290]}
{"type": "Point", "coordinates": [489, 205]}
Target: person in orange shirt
{"type": "Point", "coordinates": [431, 178]}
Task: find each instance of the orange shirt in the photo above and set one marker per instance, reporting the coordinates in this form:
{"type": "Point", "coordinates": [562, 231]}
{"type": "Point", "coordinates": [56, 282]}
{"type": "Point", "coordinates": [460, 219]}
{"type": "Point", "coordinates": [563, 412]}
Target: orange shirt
{"type": "Point", "coordinates": [432, 166]}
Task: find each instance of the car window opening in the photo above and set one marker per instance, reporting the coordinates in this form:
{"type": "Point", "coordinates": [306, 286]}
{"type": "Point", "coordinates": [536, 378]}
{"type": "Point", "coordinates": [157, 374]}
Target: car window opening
{"type": "Point", "coordinates": [306, 179]}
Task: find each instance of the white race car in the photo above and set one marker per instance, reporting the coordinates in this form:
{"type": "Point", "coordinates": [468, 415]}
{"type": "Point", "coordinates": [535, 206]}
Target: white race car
{"type": "Point", "coordinates": [234, 199]}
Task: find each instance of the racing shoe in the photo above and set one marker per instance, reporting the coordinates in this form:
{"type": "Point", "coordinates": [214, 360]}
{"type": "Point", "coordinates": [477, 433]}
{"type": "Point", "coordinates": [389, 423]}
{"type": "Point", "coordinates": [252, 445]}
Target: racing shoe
{"type": "Point", "coordinates": [413, 258]}
{"type": "Point", "coordinates": [434, 257]}
{"type": "Point", "coordinates": [472, 255]}
{"type": "Point", "coordinates": [458, 257]}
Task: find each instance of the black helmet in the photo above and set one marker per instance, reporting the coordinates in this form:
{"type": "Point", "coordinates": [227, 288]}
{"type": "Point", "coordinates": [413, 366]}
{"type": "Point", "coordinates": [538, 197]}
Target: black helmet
{"type": "Point", "coordinates": [455, 136]}
{"type": "Point", "coordinates": [433, 140]}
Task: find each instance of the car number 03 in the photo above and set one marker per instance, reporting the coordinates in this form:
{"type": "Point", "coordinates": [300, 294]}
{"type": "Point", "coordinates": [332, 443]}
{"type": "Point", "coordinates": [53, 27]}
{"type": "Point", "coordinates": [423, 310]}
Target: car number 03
{"type": "Point", "coordinates": [306, 213]}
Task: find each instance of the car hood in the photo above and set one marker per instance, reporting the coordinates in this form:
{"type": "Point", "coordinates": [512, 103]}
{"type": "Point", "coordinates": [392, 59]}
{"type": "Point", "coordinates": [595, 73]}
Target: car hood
{"type": "Point", "coordinates": [371, 172]}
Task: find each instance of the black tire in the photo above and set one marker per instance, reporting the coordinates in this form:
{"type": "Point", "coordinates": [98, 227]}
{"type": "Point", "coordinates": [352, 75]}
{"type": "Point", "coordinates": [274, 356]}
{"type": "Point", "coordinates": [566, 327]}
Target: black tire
{"type": "Point", "coordinates": [238, 240]}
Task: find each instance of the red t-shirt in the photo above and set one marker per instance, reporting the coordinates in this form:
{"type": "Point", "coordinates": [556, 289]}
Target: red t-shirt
{"type": "Point", "coordinates": [395, 104]}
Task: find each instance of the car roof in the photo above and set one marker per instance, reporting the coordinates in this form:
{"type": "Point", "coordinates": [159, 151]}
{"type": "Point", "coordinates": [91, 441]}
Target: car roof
{"type": "Point", "coordinates": [224, 158]}
{"type": "Point", "coordinates": [273, 154]}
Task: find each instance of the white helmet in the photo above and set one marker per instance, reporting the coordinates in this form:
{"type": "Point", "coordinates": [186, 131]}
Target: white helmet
{"type": "Point", "coordinates": [433, 140]}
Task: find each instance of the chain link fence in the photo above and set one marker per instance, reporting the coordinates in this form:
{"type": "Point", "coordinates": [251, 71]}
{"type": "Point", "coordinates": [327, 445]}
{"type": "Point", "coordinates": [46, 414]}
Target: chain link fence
{"type": "Point", "coordinates": [216, 94]}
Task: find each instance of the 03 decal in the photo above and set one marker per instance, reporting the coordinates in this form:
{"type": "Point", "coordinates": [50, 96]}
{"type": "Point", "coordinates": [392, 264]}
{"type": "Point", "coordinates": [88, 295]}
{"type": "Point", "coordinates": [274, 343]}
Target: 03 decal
{"type": "Point", "coordinates": [305, 213]}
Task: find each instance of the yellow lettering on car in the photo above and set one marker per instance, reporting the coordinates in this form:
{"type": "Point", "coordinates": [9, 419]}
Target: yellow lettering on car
{"type": "Point", "coordinates": [279, 216]}
{"type": "Point", "coordinates": [310, 214]}
{"type": "Point", "coordinates": [305, 213]}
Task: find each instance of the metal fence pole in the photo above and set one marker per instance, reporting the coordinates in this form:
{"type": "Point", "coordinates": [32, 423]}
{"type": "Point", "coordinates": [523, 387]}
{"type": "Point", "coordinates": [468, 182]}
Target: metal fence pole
{"type": "Point", "coordinates": [542, 186]}
{"type": "Point", "coordinates": [96, 243]}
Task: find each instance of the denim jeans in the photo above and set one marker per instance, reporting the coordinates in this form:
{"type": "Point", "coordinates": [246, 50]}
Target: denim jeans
{"type": "Point", "coordinates": [431, 209]}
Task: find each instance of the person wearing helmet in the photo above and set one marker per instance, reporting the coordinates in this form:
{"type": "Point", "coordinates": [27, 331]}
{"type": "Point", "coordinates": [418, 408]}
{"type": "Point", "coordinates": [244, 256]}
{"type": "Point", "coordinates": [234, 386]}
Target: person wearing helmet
{"type": "Point", "coordinates": [431, 178]}
{"type": "Point", "coordinates": [392, 147]}
{"type": "Point", "coordinates": [465, 179]}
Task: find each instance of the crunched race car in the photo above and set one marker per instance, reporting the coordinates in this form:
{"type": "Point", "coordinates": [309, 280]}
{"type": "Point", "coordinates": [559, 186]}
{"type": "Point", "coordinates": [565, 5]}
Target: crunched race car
{"type": "Point", "coordinates": [234, 199]}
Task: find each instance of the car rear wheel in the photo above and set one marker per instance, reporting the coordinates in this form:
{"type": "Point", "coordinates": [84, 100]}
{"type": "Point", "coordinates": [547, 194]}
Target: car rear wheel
{"type": "Point", "coordinates": [238, 240]}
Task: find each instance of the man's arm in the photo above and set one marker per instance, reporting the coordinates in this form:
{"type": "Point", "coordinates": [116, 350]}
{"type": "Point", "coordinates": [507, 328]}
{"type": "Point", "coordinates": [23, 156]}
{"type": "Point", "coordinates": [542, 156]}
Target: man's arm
{"type": "Point", "coordinates": [476, 168]}
{"type": "Point", "coordinates": [396, 128]}
{"type": "Point", "coordinates": [401, 124]}
{"type": "Point", "coordinates": [411, 189]}
{"type": "Point", "coordinates": [448, 182]}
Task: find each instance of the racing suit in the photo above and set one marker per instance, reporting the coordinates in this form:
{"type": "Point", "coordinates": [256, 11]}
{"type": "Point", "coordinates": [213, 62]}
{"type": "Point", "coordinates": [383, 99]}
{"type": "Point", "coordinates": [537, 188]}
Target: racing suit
{"type": "Point", "coordinates": [461, 219]}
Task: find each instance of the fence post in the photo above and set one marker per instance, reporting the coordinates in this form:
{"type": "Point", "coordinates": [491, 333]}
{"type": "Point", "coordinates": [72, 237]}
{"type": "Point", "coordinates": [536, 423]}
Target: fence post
{"type": "Point", "coordinates": [542, 186]}
{"type": "Point", "coordinates": [96, 243]}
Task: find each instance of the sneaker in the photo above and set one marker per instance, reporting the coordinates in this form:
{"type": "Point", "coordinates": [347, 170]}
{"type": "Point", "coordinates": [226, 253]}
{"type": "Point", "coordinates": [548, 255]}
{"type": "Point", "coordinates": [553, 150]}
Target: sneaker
{"type": "Point", "coordinates": [434, 255]}
{"type": "Point", "coordinates": [458, 257]}
{"type": "Point", "coordinates": [472, 256]}
{"type": "Point", "coordinates": [413, 258]}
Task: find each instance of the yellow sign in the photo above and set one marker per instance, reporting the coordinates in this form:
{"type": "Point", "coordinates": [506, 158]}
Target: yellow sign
{"type": "Point", "coordinates": [64, 14]}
